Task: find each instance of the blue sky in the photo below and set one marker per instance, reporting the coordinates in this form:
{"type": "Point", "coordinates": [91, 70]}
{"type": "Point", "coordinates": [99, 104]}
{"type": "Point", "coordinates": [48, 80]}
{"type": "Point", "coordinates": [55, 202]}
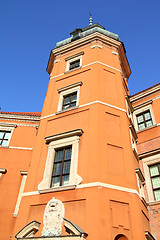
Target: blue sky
{"type": "Point", "coordinates": [29, 29]}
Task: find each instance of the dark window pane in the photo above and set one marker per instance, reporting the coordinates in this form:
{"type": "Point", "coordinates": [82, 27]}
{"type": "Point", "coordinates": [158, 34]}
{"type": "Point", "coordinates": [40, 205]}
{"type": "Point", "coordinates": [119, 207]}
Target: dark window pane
{"type": "Point", "coordinates": [74, 97]}
{"type": "Point", "coordinates": [59, 155]}
{"type": "Point", "coordinates": [57, 169]}
{"type": "Point", "coordinates": [65, 180]}
{"type": "Point", "coordinates": [66, 100]}
{"type": "Point", "coordinates": [55, 182]}
{"type": "Point", "coordinates": [74, 64]}
{"type": "Point", "coordinates": [66, 168]}
{"type": "Point", "coordinates": [68, 152]}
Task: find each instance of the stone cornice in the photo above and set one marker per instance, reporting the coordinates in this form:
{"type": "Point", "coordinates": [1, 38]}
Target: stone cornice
{"type": "Point", "coordinates": [87, 40]}
{"type": "Point", "coordinates": [7, 116]}
{"type": "Point", "coordinates": [143, 94]}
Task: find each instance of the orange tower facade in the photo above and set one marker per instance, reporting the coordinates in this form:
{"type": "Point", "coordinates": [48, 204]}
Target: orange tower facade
{"type": "Point", "coordinates": [84, 171]}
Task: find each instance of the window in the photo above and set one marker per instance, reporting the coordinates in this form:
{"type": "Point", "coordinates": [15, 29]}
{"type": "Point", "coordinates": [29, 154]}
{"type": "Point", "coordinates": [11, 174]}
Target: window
{"type": "Point", "coordinates": [144, 120]}
{"type": "Point", "coordinates": [62, 161]}
{"type": "Point", "coordinates": [74, 64]}
{"type": "Point", "coordinates": [69, 96]}
{"type": "Point", "coordinates": [74, 61]}
{"type": "Point", "coordinates": [4, 137]}
{"type": "Point", "coordinates": [69, 100]}
{"type": "Point", "coordinates": [155, 179]}
{"type": "Point", "coordinates": [61, 168]}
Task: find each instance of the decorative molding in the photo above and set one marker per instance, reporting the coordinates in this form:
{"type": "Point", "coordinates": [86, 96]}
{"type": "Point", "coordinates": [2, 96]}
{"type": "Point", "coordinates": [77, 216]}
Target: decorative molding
{"type": "Point", "coordinates": [135, 154]}
{"type": "Point", "coordinates": [141, 95]}
{"type": "Point", "coordinates": [9, 116]}
{"type": "Point", "coordinates": [90, 65]}
{"type": "Point", "coordinates": [26, 194]}
{"type": "Point", "coordinates": [73, 229]}
{"type": "Point", "coordinates": [58, 189]}
{"type": "Point", "coordinates": [95, 184]}
{"type": "Point", "coordinates": [149, 236]}
{"type": "Point", "coordinates": [58, 60]}
{"type": "Point", "coordinates": [21, 148]}
{"type": "Point", "coordinates": [143, 104]}
{"type": "Point", "coordinates": [115, 53]}
{"type": "Point", "coordinates": [70, 86]}
{"type": "Point", "coordinates": [24, 178]}
{"type": "Point", "coordinates": [4, 124]}
{"type": "Point", "coordinates": [75, 55]}
{"type": "Point", "coordinates": [140, 175]}
{"type": "Point", "coordinates": [77, 132]}
{"type": "Point", "coordinates": [96, 45]}
{"type": "Point", "coordinates": [129, 103]}
{"type": "Point", "coordinates": [87, 104]}
{"type": "Point", "coordinates": [28, 231]}
{"type": "Point", "coordinates": [61, 140]}
{"type": "Point", "coordinates": [53, 218]}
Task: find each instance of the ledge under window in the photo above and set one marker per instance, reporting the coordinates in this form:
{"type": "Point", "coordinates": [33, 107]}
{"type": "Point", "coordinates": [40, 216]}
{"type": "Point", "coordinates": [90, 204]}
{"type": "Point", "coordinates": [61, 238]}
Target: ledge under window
{"type": "Point", "coordinates": [58, 189]}
{"type": "Point", "coordinates": [147, 128]}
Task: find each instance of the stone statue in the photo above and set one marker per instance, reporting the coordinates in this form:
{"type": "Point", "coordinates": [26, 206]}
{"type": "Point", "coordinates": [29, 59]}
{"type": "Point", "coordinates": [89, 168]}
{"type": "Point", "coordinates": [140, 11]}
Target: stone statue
{"type": "Point", "coordinates": [53, 218]}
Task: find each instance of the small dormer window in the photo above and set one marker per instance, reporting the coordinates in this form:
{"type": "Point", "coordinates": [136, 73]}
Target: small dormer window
{"type": "Point", "coordinates": [75, 34]}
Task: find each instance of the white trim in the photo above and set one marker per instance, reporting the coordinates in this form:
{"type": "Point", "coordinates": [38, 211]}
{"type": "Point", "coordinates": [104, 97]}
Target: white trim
{"type": "Point", "coordinates": [95, 184]}
{"type": "Point", "coordinates": [89, 65]}
{"type": "Point", "coordinates": [7, 128]}
{"type": "Point", "coordinates": [72, 60]}
{"type": "Point", "coordinates": [106, 104]}
{"type": "Point", "coordinates": [74, 178]}
{"type": "Point", "coordinates": [24, 178]}
{"type": "Point", "coordinates": [21, 148]}
{"type": "Point", "coordinates": [115, 53]}
{"type": "Point", "coordinates": [63, 93]}
{"type": "Point", "coordinates": [96, 45]}
{"type": "Point", "coordinates": [148, 161]}
{"type": "Point", "coordinates": [141, 110]}
{"type": "Point", "coordinates": [87, 104]}
{"type": "Point", "coordinates": [25, 194]}
{"type": "Point", "coordinates": [106, 185]}
{"type": "Point", "coordinates": [58, 60]}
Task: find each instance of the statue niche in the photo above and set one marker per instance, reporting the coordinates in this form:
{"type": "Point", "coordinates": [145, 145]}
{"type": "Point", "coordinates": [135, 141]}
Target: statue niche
{"type": "Point", "coordinates": [53, 218]}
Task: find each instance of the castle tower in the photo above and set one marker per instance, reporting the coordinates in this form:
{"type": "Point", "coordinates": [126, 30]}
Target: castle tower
{"type": "Point", "coordinates": [85, 153]}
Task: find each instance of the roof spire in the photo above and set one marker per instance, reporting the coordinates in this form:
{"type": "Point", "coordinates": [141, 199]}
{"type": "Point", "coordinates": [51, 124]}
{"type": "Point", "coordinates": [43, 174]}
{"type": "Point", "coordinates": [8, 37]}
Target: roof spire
{"type": "Point", "coordinates": [90, 19]}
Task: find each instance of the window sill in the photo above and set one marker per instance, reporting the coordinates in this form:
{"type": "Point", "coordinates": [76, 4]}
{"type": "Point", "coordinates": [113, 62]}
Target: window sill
{"type": "Point", "coordinates": [58, 189]}
{"type": "Point", "coordinates": [4, 146]}
{"type": "Point", "coordinates": [72, 70]}
{"type": "Point", "coordinates": [154, 203]}
{"type": "Point", "coordinates": [66, 110]}
{"type": "Point", "coordinates": [147, 128]}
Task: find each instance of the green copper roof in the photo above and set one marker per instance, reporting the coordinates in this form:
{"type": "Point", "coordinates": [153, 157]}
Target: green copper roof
{"type": "Point", "coordinates": [82, 32]}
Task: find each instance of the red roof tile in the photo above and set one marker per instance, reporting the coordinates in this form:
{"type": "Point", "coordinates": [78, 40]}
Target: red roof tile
{"type": "Point", "coordinates": [38, 114]}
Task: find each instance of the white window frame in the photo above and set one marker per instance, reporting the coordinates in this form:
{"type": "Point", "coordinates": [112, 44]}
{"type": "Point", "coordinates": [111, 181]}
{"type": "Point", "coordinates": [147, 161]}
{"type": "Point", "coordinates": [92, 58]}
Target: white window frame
{"type": "Point", "coordinates": [68, 90]}
{"type": "Point", "coordinates": [72, 60]}
{"type": "Point", "coordinates": [58, 141]}
{"type": "Point", "coordinates": [148, 161]}
{"type": "Point", "coordinates": [7, 127]}
{"type": "Point", "coordinates": [141, 110]}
